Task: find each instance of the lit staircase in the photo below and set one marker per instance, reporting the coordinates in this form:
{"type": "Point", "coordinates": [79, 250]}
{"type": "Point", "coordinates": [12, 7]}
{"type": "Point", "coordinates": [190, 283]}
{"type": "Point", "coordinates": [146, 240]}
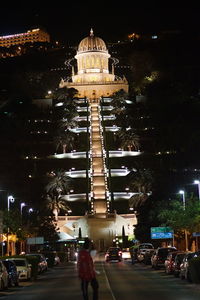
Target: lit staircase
{"type": "Point", "coordinates": [99, 203]}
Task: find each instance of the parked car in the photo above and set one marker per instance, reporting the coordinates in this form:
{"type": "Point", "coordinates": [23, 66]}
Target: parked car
{"type": "Point", "coordinates": [3, 276]}
{"type": "Point", "coordinates": [23, 268]}
{"type": "Point", "coordinates": [113, 254]}
{"type": "Point", "coordinates": [159, 256]}
{"type": "Point", "coordinates": [147, 256]}
{"type": "Point", "coordinates": [42, 262]}
{"type": "Point", "coordinates": [126, 254]}
{"type": "Point", "coordinates": [169, 262]}
{"type": "Point", "coordinates": [142, 250]}
{"type": "Point", "coordinates": [184, 267]}
{"type": "Point", "coordinates": [177, 262]}
{"type": "Point", "coordinates": [13, 276]}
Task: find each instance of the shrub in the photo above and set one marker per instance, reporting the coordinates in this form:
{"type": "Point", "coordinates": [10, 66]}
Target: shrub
{"type": "Point", "coordinates": [50, 256]}
{"type": "Point", "coordinates": [33, 260]}
{"type": "Point", "coordinates": [63, 256]}
{"type": "Point", "coordinates": [194, 269]}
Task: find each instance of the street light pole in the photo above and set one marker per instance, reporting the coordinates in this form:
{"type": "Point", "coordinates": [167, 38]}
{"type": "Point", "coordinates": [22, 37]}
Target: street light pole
{"type": "Point", "coordinates": [21, 207]}
{"type": "Point", "coordinates": [10, 199]}
{"type": "Point", "coordinates": [198, 183]}
{"type": "Point", "coordinates": [185, 231]}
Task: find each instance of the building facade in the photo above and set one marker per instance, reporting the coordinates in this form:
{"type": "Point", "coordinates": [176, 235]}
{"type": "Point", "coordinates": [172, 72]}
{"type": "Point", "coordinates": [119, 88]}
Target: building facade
{"type": "Point", "coordinates": [31, 36]}
{"type": "Point", "coordinates": [93, 78]}
{"type": "Point", "coordinates": [95, 83]}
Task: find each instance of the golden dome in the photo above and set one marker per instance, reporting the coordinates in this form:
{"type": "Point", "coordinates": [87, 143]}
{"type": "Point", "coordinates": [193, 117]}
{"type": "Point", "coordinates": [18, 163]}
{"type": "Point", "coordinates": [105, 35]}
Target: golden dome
{"type": "Point", "coordinates": [92, 43]}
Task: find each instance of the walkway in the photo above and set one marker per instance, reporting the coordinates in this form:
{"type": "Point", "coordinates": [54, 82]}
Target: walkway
{"type": "Point", "coordinates": [98, 169]}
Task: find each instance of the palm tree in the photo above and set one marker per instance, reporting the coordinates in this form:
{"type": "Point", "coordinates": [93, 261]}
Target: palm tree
{"type": "Point", "coordinates": [55, 204]}
{"type": "Point", "coordinates": [68, 123]}
{"type": "Point", "coordinates": [58, 185]}
{"type": "Point", "coordinates": [119, 98]}
{"type": "Point", "coordinates": [128, 139]}
{"type": "Point", "coordinates": [140, 182]}
{"type": "Point", "coordinates": [65, 140]}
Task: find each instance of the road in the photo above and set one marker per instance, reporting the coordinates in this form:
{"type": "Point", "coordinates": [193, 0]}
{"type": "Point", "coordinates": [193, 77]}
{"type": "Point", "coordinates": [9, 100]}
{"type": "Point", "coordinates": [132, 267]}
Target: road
{"type": "Point", "coordinates": [118, 281]}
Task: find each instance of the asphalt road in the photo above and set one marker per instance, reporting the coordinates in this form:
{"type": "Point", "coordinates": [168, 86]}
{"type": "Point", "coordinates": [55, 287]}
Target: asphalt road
{"type": "Point", "coordinates": [118, 281]}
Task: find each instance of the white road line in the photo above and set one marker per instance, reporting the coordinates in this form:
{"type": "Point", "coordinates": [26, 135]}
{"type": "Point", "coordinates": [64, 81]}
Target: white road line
{"type": "Point", "coordinates": [107, 281]}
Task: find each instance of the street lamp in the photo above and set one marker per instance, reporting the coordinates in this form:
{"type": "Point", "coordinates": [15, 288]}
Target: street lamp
{"type": "Point", "coordinates": [198, 183]}
{"type": "Point", "coordinates": [21, 207]}
{"type": "Point", "coordinates": [10, 199]}
{"type": "Point", "coordinates": [181, 192]}
{"type": "Point", "coordinates": [183, 195]}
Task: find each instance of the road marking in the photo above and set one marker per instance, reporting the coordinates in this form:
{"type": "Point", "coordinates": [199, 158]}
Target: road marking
{"type": "Point", "coordinates": [107, 281]}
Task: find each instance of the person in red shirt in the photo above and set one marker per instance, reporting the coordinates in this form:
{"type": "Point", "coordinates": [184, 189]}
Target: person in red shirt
{"type": "Point", "coordinates": [86, 271]}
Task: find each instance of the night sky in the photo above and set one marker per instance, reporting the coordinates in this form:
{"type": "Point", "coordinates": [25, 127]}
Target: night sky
{"type": "Point", "coordinates": [71, 21]}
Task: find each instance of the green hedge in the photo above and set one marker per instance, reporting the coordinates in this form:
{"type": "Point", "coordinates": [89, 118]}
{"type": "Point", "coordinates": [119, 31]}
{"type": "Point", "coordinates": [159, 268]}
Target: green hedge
{"type": "Point", "coordinates": [63, 256]}
{"type": "Point", "coordinates": [194, 269]}
{"type": "Point", "coordinates": [50, 256]}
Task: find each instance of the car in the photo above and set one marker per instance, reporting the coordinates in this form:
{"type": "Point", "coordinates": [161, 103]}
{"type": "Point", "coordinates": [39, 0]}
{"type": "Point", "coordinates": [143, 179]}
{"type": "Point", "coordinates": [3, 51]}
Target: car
{"type": "Point", "coordinates": [184, 266]}
{"type": "Point", "coordinates": [3, 276]}
{"type": "Point", "coordinates": [113, 254]}
{"type": "Point", "coordinates": [23, 268]}
{"type": "Point", "coordinates": [126, 254]}
{"type": "Point", "coordinates": [13, 276]}
{"type": "Point", "coordinates": [169, 262]}
{"type": "Point", "coordinates": [177, 262]}
{"type": "Point", "coordinates": [147, 256]}
{"type": "Point", "coordinates": [42, 262]}
{"type": "Point", "coordinates": [159, 256]}
{"type": "Point", "coordinates": [142, 250]}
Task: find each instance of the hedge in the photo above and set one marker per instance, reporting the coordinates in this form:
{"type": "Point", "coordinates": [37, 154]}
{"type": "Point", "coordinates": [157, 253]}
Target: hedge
{"type": "Point", "coordinates": [194, 269]}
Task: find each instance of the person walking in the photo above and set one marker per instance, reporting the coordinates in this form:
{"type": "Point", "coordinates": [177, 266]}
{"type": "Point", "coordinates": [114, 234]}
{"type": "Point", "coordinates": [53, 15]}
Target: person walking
{"type": "Point", "coordinates": [86, 271]}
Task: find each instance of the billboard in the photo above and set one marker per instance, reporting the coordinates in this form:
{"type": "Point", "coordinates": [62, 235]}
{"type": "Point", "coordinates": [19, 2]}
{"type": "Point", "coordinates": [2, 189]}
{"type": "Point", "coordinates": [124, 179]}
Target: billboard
{"type": "Point", "coordinates": [162, 233]}
{"type": "Point", "coordinates": [35, 240]}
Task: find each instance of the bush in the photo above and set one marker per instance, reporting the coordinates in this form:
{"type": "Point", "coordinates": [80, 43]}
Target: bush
{"type": "Point", "coordinates": [194, 269]}
{"type": "Point", "coordinates": [50, 256]}
{"type": "Point", "coordinates": [63, 256]}
{"type": "Point", "coordinates": [33, 260]}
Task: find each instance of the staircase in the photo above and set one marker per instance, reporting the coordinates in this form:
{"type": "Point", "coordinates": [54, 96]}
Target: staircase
{"type": "Point", "coordinates": [98, 172]}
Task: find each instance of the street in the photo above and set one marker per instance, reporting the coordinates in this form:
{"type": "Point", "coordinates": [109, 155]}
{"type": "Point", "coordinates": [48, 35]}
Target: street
{"type": "Point", "coordinates": [117, 281]}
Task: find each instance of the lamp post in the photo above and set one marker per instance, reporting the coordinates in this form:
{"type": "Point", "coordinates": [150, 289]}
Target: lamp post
{"type": "Point", "coordinates": [10, 199]}
{"type": "Point", "coordinates": [181, 192]}
{"type": "Point", "coordinates": [21, 207]}
{"type": "Point", "coordinates": [198, 183]}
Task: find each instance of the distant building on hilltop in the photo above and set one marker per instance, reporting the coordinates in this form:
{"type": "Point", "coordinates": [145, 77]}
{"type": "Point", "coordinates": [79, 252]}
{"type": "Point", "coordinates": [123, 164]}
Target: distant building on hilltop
{"type": "Point", "coordinates": [31, 36]}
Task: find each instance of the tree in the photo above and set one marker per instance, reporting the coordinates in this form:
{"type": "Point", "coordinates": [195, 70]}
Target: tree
{"type": "Point", "coordinates": [65, 140]}
{"type": "Point", "coordinates": [48, 229]}
{"type": "Point", "coordinates": [140, 182]}
{"type": "Point", "coordinates": [128, 139]}
{"type": "Point", "coordinates": [179, 218]}
{"type": "Point", "coordinates": [119, 99]}
{"type": "Point", "coordinates": [59, 184]}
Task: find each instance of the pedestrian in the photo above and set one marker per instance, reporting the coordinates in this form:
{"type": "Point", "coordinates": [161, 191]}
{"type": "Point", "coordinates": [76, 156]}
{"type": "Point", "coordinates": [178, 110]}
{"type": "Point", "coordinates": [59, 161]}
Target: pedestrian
{"type": "Point", "coordinates": [86, 271]}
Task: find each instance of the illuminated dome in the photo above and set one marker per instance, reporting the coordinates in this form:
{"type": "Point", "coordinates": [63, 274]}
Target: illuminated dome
{"type": "Point", "coordinates": [92, 43]}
